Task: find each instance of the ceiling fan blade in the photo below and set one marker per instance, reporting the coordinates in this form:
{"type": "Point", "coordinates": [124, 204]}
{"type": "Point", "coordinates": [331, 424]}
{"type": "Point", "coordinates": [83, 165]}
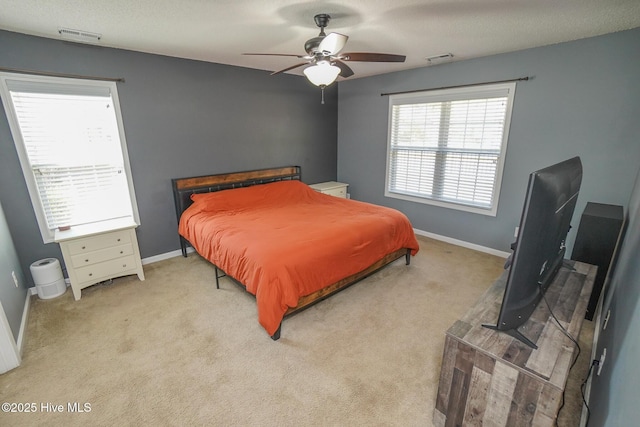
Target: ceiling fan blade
{"type": "Point", "coordinates": [332, 43]}
{"type": "Point", "coordinates": [372, 57]}
{"type": "Point", "coordinates": [289, 68]}
{"type": "Point", "coordinates": [345, 70]}
{"type": "Point", "coordinates": [276, 54]}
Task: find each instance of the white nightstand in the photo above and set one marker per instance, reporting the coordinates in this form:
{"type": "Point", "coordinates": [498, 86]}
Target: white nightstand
{"type": "Point", "coordinates": [333, 188]}
{"type": "Point", "coordinates": [95, 255]}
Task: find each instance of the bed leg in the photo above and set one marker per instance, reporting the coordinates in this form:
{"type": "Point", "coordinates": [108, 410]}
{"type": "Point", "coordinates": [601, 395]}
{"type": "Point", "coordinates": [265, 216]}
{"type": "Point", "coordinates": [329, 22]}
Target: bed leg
{"type": "Point", "coordinates": [276, 335]}
{"type": "Point", "coordinates": [217, 278]}
{"type": "Point", "coordinates": [183, 247]}
{"type": "Point", "coordinates": [407, 257]}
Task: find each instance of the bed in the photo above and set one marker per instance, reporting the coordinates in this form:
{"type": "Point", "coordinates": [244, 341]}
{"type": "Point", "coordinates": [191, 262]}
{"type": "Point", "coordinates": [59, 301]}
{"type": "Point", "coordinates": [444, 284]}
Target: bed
{"type": "Point", "coordinates": [285, 243]}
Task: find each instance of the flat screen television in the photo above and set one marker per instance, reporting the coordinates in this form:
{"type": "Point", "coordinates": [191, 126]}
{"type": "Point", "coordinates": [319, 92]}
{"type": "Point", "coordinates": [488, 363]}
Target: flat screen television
{"type": "Point", "coordinates": [539, 249]}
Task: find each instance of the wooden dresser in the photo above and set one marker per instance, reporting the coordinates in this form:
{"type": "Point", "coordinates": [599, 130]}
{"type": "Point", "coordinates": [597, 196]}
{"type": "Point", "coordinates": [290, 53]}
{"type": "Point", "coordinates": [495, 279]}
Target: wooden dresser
{"type": "Point", "coordinates": [96, 255]}
{"type": "Point", "coordinates": [490, 378]}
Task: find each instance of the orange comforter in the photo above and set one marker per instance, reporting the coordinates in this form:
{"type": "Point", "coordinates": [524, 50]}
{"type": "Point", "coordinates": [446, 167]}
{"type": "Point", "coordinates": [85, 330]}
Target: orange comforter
{"type": "Point", "coordinates": [284, 240]}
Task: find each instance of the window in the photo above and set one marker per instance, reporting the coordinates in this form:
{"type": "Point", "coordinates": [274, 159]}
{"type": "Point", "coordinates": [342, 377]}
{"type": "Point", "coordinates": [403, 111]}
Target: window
{"type": "Point", "coordinates": [71, 145]}
{"type": "Point", "coordinates": [447, 147]}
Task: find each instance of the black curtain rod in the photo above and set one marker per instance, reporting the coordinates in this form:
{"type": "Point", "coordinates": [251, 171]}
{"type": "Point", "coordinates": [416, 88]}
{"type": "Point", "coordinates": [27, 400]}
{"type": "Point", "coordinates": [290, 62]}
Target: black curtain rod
{"type": "Point", "coordinates": [72, 76]}
{"type": "Point", "coordinates": [454, 87]}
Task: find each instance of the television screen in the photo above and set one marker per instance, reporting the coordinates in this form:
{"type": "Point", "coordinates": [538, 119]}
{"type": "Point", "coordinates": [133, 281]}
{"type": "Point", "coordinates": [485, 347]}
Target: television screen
{"type": "Point", "coordinates": [539, 249]}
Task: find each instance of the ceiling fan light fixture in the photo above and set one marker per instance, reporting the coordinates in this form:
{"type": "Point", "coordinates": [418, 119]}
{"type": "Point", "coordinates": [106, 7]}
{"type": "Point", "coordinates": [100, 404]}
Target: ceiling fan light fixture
{"type": "Point", "coordinates": [322, 74]}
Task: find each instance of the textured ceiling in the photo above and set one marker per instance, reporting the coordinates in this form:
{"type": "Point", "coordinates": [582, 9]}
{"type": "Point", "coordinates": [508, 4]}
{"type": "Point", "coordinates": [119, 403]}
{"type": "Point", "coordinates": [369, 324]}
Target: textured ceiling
{"type": "Point", "coordinates": [221, 30]}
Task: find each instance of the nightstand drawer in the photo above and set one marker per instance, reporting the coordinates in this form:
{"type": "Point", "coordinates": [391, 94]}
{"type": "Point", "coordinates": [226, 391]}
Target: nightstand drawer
{"type": "Point", "coordinates": [89, 258]}
{"type": "Point", "coordinates": [101, 241]}
{"type": "Point", "coordinates": [338, 192]}
{"type": "Point", "coordinates": [107, 269]}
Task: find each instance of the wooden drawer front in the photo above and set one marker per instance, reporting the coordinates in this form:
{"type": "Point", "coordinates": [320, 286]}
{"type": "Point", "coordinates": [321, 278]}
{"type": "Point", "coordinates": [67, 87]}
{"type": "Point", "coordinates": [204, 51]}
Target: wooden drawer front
{"type": "Point", "coordinates": [98, 242]}
{"type": "Point", "coordinates": [107, 269]}
{"type": "Point", "coordinates": [82, 260]}
{"type": "Point", "coordinates": [338, 192]}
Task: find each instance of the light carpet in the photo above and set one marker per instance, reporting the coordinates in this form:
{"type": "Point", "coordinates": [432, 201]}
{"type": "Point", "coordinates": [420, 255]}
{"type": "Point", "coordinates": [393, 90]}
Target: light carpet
{"type": "Point", "coordinates": [174, 350]}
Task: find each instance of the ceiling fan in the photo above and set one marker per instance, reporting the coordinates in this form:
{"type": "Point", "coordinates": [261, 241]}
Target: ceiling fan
{"type": "Point", "coordinates": [325, 57]}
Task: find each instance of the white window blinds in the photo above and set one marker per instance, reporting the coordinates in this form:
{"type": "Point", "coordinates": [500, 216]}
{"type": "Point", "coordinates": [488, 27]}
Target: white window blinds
{"type": "Point", "coordinates": [73, 147]}
{"type": "Point", "coordinates": [447, 147]}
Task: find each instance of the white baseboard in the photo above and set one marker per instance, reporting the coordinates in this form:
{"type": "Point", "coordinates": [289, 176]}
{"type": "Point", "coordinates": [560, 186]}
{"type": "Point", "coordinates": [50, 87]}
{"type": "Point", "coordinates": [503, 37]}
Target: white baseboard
{"type": "Point", "coordinates": [23, 323]}
{"type": "Point", "coordinates": [166, 255]}
{"type": "Point", "coordinates": [462, 243]}
{"type": "Point", "coordinates": [479, 248]}
{"type": "Point", "coordinates": [149, 260]}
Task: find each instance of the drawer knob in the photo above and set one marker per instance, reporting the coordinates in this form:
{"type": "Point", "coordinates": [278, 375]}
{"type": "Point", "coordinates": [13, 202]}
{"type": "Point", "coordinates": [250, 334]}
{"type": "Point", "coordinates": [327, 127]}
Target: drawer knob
{"type": "Point", "coordinates": [84, 247]}
{"type": "Point", "coordinates": [86, 260]}
{"type": "Point", "coordinates": [118, 240]}
{"type": "Point", "coordinates": [121, 252]}
{"type": "Point", "coordinates": [90, 274]}
{"type": "Point", "coordinates": [124, 265]}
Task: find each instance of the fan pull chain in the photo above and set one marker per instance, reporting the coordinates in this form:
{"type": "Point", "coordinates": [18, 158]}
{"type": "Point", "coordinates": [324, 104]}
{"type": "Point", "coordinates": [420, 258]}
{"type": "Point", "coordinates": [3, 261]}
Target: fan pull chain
{"type": "Point", "coordinates": [322, 95]}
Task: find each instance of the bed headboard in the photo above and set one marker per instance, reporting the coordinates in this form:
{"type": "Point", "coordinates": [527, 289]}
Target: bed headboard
{"type": "Point", "coordinates": [183, 188]}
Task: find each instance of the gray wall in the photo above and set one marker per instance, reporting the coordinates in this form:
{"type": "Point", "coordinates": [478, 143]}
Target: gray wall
{"type": "Point", "coordinates": [12, 297]}
{"type": "Point", "coordinates": [583, 99]}
{"type": "Point", "coordinates": [186, 118]}
{"type": "Point", "coordinates": [614, 394]}
{"type": "Point", "coordinates": [181, 118]}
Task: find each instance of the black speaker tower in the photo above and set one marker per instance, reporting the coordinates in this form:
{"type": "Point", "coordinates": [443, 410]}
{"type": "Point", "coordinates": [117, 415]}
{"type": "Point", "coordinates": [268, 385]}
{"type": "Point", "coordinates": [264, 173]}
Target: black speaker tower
{"type": "Point", "coordinates": [600, 227]}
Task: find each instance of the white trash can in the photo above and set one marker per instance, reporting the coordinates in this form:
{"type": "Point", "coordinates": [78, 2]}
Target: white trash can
{"type": "Point", "coordinates": [48, 278]}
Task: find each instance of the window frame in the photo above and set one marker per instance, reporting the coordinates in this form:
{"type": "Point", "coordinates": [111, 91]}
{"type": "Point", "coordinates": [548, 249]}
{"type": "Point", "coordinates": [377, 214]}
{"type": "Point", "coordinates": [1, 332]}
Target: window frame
{"type": "Point", "coordinates": [71, 85]}
{"type": "Point", "coordinates": [454, 94]}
